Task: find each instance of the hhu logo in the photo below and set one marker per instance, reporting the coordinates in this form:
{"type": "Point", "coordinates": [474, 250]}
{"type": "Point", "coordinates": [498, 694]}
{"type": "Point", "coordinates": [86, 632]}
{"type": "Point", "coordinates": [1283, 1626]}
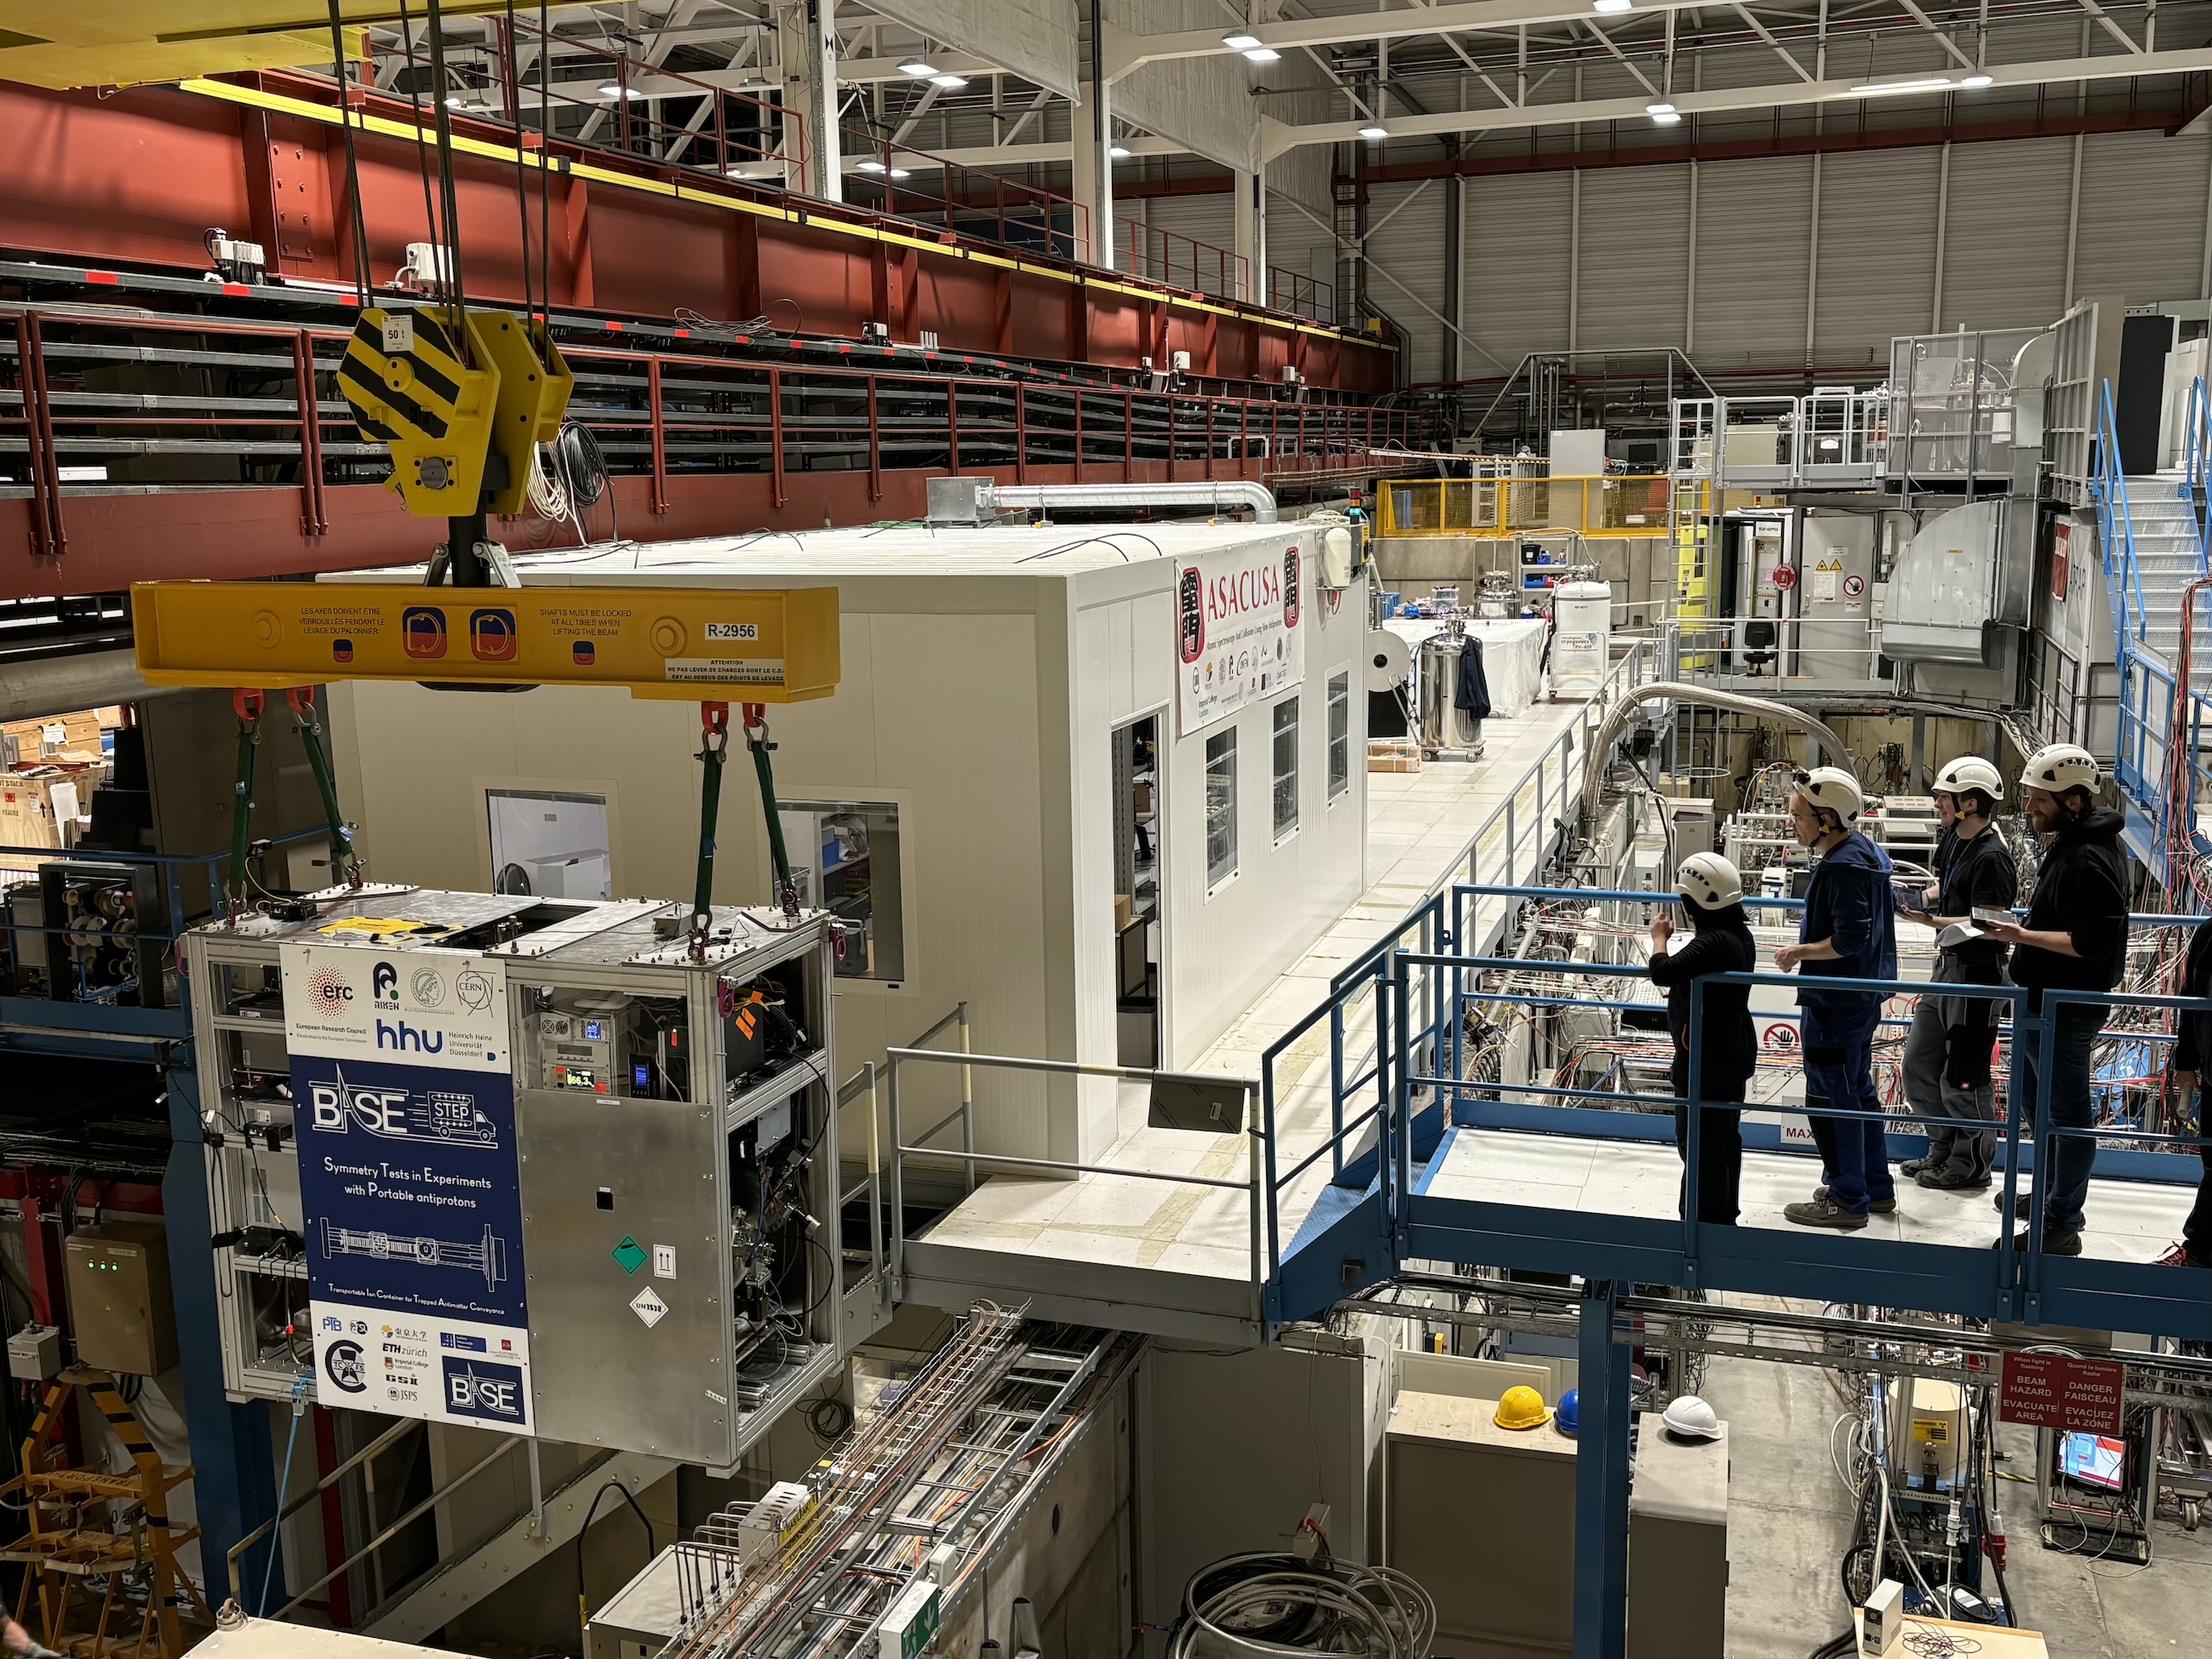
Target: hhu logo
{"type": "Point", "coordinates": [407, 1038]}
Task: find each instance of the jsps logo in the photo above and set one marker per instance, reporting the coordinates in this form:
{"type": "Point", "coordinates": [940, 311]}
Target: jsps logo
{"type": "Point", "coordinates": [329, 990]}
{"type": "Point", "coordinates": [475, 1388]}
{"type": "Point", "coordinates": [384, 984]}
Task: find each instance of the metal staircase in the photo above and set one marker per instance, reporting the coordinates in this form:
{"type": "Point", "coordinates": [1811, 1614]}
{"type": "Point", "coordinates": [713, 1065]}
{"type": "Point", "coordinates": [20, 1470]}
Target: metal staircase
{"type": "Point", "coordinates": [2153, 527]}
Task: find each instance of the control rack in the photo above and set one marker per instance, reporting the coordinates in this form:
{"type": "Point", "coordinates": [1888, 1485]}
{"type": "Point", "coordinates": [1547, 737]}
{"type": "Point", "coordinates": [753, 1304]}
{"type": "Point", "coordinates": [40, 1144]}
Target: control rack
{"type": "Point", "coordinates": [524, 1163]}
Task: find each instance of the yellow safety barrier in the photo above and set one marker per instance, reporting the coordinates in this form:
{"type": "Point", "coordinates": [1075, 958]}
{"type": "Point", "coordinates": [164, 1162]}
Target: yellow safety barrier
{"type": "Point", "coordinates": [1615, 505]}
{"type": "Point", "coordinates": [728, 645]}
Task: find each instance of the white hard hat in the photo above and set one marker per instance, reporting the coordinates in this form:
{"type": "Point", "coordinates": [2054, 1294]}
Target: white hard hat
{"type": "Point", "coordinates": [1832, 789]}
{"type": "Point", "coordinates": [1971, 772]}
{"type": "Point", "coordinates": [1709, 881]}
{"type": "Point", "coordinates": [2059, 766]}
{"type": "Point", "coordinates": [1691, 1419]}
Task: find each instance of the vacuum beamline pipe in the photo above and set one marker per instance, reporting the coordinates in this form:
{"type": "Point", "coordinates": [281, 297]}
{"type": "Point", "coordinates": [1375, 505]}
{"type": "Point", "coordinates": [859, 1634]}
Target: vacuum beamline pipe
{"type": "Point", "coordinates": [1227, 492]}
{"type": "Point", "coordinates": [62, 685]}
{"type": "Point", "coordinates": [1617, 719]}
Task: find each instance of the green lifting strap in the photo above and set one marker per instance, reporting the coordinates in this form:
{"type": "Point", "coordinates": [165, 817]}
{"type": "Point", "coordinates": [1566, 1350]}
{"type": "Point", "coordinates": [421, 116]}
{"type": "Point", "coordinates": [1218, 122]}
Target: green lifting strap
{"type": "Point", "coordinates": [714, 733]}
{"type": "Point", "coordinates": [248, 705]}
{"type": "Point", "coordinates": [345, 857]}
{"type": "Point", "coordinates": [786, 894]}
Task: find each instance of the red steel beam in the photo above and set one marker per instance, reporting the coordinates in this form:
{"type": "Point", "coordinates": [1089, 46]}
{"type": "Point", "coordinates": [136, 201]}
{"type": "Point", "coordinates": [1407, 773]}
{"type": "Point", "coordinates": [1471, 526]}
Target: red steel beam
{"type": "Point", "coordinates": [138, 177]}
{"type": "Point", "coordinates": [234, 535]}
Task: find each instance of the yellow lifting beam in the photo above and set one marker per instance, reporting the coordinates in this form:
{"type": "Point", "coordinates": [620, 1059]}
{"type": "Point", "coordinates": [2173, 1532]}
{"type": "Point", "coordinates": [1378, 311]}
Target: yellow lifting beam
{"type": "Point", "coordinates": [677, 644]}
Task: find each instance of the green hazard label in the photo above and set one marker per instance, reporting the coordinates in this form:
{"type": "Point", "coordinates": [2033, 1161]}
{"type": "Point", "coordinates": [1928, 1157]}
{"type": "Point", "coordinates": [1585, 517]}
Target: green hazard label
{"type": "Point", "coordinates": [631, 1255]}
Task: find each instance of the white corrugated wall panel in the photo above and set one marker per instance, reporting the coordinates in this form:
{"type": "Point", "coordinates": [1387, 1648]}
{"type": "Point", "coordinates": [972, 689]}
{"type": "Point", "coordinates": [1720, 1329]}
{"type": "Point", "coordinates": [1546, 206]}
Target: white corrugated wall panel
{"type": "Point", "coordinates": [1515, 233]}
{"type": "Point", "coordinates": [2141, 233]}
{"type": "Point", "coordinates": [1754, 226]}
{"type": "Point", "coordinates": [1405, 267]}
{"type": "Point", "coordinates": [1293, 238]}
{"type": "Point", "coordinates": [1635, 256]}
{"type": "Point", "coordinates": [1877, 253]}
{"type": "Point", "coordinates": [2005, 247]}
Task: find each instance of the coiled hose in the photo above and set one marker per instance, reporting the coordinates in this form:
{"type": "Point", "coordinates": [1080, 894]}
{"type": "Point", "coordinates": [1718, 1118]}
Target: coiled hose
{"type": "Point", "coordinates": [1261, 1604]}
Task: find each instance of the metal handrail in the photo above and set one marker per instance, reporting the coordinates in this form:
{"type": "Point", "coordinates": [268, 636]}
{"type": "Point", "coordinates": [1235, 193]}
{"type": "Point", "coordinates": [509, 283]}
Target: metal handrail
{"type": "Point", "coordinates": [1253, 1185]}
{"type": "Point", "coordinates": [236, 1555]}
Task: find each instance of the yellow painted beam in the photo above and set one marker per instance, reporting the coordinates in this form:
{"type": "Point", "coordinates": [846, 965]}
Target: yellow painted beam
{"type": "Point", "coordinates": [307, 110]}
{"type": "Point", "coordinates": [714, 645]}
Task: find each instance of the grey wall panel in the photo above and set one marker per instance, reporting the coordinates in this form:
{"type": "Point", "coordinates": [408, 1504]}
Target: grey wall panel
{"type": "Point", "coordinates": [1204, 102]}
{"type": "Point", "coordinates": [1036, 42]}
{"type": "Point", "coordinates": [1754, 225]}
{"type": "Point", "coordinates": [1406, 260]}
{"type": "Point", "coordinates": [2143, 215]}
{"type": "Point", "coordinates": [1516, 232]}
{"type": "Point", "coordinates": [1877, 253]}
{"type": "Point", "coordinates": [2004, 251]}
{"type": "Point", "coordinates": [1635, 256]}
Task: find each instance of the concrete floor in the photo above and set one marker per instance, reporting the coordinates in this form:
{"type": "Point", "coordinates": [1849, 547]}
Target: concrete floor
{"type": "Point", "coordinates": [1790, 1517]}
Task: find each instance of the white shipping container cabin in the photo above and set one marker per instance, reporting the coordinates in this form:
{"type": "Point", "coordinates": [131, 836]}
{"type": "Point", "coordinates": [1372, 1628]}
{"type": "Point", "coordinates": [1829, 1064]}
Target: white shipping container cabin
{"type": "Point", "coordinates": [988, 675]}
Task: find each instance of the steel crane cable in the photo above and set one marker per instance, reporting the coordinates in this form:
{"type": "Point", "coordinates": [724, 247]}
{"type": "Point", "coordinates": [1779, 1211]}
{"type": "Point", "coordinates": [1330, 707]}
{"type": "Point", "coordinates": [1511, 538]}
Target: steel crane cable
{"type": "Point", "coordinates": [521, 186]}
{"type": "Point", "coordinates": [361, 280]}
{"type": "Point", "coordinates": [447, 191]}
{"type": "Point", "coordinates": [440, 271]}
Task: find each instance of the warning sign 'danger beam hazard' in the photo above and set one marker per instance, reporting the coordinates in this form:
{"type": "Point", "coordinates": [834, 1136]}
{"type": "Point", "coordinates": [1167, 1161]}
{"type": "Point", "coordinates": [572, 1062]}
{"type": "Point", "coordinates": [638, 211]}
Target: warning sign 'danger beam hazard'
{"type": "Point", "coordinates": [2055, 1391]}
{"type": "Point", "coordinates": [732, 645]}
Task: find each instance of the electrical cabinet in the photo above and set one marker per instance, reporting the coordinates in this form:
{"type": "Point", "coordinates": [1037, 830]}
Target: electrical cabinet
{"type": "Point", "coordinates": [467, 1149]}
{"type": "Point", "coordinates": [119, 1297]}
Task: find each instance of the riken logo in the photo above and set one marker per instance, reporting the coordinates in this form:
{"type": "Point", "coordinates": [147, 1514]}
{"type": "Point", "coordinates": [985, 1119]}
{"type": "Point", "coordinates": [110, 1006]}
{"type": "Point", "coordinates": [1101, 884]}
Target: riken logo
{"type": "Point", "coordinates": [476, 1388]}
{"type": "Point", "coordinates": [409, 1039]}
{"type": "Point", "coordinates": [384, 985]}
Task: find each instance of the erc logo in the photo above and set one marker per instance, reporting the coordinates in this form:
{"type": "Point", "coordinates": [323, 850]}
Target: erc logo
{"type": "Point", "coordinates": [329, 989]}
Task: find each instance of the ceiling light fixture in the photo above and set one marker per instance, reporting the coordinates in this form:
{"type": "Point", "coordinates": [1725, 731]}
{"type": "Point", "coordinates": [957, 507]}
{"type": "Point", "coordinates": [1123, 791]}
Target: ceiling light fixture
{"type": "Point", "coordinates": [868, 166]}
{"type": "Point", "coordinates": [901, 173]}
{"type": "Point", "coordinates": [1263, 54]}
{"type": "Point", "coordinates": [611, 90]}
{"type": "Point", "coordinates": [1119, 152]}
{"type": "Point", "coordinates": [1613, 7]}
{"type": "Point", "coordinates": [1976, 82]}
{"type": "Point", "coordinates": [1885, 89]}
{"type": "Point", "coordinates": [1662, 108]}
{"type": "Point", "coordinates": [1666, 117]}
{"type": "Point", "coordinates": [917, 67]}
{"type": "Point", "coordinates": [1374, 134]}
{"type": "Point", "coordinates": [1240, 42]}
{"type": "Point", "coordinates": [948, 81]}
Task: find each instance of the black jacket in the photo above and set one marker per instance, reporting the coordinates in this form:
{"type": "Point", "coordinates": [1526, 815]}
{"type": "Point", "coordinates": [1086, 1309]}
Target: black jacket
{"type": "Point", "coordinates": [2193, 1031]}
{"type": "Point", "coordinates": [1472, 695]}
{"type": "Point", "coordinates": [1974, 873]}
{"type": "Point", "coordinates": [2082, 891]}
{"type": "Point", "coordinates": [1729, 1051]}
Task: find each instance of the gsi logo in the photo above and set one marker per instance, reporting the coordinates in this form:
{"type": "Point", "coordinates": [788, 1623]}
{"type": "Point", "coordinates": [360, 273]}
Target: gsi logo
{"type": "Point", "coordinates": [476, 1388]}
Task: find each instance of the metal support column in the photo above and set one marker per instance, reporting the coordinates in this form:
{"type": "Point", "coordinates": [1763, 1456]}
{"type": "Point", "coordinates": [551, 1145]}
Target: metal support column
{"type": "Point", "coordinates": [1601, 1479]}
{"type": "Point", "coordinates": [233, 1465]}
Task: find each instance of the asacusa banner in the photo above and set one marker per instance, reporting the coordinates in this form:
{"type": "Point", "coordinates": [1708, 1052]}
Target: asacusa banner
{"type": "Point", "coordinates": [1240, 630]}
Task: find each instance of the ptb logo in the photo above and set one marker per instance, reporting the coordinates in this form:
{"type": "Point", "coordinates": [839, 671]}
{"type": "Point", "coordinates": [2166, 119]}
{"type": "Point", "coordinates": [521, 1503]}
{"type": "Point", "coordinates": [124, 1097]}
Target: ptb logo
{"type": "Point", "coordinates": [476, 1388]}
{"type": "Point", "coordinates": [492, 635]}
{"type": "Point", "coordinates": [423, 629]}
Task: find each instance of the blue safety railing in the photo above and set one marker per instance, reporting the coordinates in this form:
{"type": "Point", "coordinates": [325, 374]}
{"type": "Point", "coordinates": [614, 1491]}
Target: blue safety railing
{"type": "Point", "coordinates": [2158, 708]}
{"type": "Point", "coordinates": [1514, 842]}
{"type": "Point", "coordinates": [1395, 1218]}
